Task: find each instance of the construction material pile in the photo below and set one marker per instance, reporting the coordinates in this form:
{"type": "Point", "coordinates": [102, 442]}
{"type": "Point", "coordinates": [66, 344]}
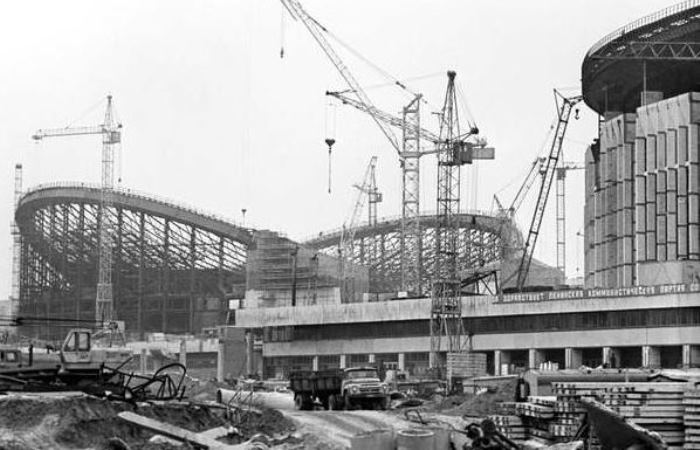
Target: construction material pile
{"type": "Point", "coordinates": [691, 419]}
{"type": "Point", "coordinates": [669, 409]}
{"type": "Point", "coordinates": [74, 420]}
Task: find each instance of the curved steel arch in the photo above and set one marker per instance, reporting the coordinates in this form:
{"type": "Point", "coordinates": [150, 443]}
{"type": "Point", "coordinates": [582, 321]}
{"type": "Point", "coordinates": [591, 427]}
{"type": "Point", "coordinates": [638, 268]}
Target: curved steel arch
{"type": "Point", "coordinates": [664, 45]}
{"type": "Point", "coordinates": [484, 239]}
{"type": "Point", "coordinates": [174, 266]}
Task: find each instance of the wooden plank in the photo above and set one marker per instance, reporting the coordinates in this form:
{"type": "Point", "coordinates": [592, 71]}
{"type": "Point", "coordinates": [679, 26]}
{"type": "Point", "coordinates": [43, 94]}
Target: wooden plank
{"type": "Point", "coordinates": [178, 433]}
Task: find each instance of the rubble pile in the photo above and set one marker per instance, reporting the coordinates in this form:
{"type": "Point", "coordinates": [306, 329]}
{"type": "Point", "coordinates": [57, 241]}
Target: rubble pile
{"type": "Point", "coordinates": [70, 421]}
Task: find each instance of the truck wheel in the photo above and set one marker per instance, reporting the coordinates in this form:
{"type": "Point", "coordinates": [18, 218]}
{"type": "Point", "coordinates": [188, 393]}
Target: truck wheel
{"type": "Point", "coordinates": [384, 403]}
{"type": "Point", "coordinates": [298, 402]}
{"type": "Point", "coordinates": [333, 403]}
{"type": "Point", "coordinates": [307, 402]}
{"type": "Point", "coordinates": [325, 402]}
{"type": "Point", "coordinates": [347, 403]}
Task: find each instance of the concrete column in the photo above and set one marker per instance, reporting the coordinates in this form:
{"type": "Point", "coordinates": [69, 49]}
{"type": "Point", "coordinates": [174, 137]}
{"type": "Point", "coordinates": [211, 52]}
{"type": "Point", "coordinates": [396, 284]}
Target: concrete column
{"type": "Point", "coordinates": [432, 356]}
{"type": "Point", "coordinates": [372, 358]}
{"type": "Point", "coordinates": [695, 356]}
{"type": "Point", "coordinates": [534, 358]}
{"type": "Point", "coordinates": [607, 351]}
{"type": "Point", "coordinates": [343, 361]}
{"type": "Point", "coordinates": [249, 353]}
{"type": "Point", "coordinates": [143, 363]}
{"type": "Point", "coordinates": [402, 361]}
{"type": "Point", "coordinates": [314, 363]}
{"type": "Point", "coordinates": [573, 358]}
{"type": "Point", "coordinates": [183, 352]}
{"type": "Point", "coordinates": [220, 361]}
{"type": "Point", "coordinates": [686, 356]}
{"type": "Point", "coordinates": [651, 356]}
{"type": "Point", "coordinates": [611, 356]}
{"type": "Point", "coordinates": [497, 362]}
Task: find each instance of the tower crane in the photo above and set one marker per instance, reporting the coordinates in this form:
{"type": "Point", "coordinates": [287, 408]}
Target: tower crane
{"type": "Point", "coordinates": [366, 192]}
{"type": "Point", "coordinates": [562, 168]}
{"type": "Point", "coordinates": [408, 149]}
{"type": "Point", "coordinates": [564, 107]}
{"type": "Point", "coordinates": [454, 150]}
{"type": "Point", "coordinates": [110, 131]}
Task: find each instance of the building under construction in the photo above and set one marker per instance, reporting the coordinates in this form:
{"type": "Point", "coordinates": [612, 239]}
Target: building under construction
{"type": "Point", "coordinates": [639, 307]}
{"type": "Point", "coordinates": [373, 292]}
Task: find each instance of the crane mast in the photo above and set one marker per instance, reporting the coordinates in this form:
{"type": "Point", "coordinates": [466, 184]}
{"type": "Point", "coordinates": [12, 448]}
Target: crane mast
{"type": "Point", "coordinates": [16, 247]}
{"type": "Point", "coordinates": [408, 151]}
{"type": "Point", "coordinates": [366, 192]}
{"type": "Point", "coordinates": [111, 137]}
{"type": "Point", "coordinates": [564, 107]}
{"type": "Point", "coordinates": [560, 189]}
{"type": "Point", "coordinates": [453, 152]}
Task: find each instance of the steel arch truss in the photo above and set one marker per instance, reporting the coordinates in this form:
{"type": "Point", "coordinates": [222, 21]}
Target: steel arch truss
{"type": "Point", "coordinates": [169, 275]}
{"type": "Point", "coordinates": [479, 244]}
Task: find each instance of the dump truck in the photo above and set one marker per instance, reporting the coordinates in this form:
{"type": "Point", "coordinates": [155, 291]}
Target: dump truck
{"type": "Point", "coordinates": [357, 387]}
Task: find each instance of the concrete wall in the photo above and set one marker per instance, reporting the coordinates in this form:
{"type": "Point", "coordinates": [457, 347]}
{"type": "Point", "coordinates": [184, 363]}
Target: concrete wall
{"type": "Point", "coordinates": [643, 191]}
{"type": "Point", "coordinates": [417, 309]}
{"type": "Point", "coordinates": [503, 341]}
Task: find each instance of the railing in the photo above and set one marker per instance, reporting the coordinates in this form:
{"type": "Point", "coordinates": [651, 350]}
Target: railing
{"type": "Point", "coordinates": [393, 218]}
{"type": "Point", "coordinates": [646, 20]}
{"type": "Point", "coordinates": [141, 195]}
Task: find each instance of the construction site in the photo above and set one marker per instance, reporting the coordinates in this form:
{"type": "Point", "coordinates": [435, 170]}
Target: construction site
{"type": "Point", "coordinates": [136, 321]}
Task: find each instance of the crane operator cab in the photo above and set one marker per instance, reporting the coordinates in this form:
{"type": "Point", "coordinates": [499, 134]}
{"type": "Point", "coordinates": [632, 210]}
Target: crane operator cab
{"type": "Point", "coordinates": [84, 348]}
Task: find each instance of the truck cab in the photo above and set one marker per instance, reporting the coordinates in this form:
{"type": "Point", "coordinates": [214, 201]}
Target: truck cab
{"type": "Point", "coordinates": [361, 386]}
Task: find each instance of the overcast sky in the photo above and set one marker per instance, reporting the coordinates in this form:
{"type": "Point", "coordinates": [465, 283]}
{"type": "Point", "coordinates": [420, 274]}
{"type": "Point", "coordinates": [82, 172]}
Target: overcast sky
{"type": "Point", "coordinates": [213, 117]}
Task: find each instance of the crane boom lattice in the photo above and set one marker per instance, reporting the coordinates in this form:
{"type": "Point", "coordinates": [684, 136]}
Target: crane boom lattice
{"type": "Point", "coordinates": [111, 137]}
{"type": "Point", "coordinates": [564, 107]}
{"type": "Point", "coordinates": [408, 149]}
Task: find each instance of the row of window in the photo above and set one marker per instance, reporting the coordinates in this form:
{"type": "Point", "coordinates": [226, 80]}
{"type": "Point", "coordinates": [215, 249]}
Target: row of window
{"type": "Point", "coordinates": [593, 320]}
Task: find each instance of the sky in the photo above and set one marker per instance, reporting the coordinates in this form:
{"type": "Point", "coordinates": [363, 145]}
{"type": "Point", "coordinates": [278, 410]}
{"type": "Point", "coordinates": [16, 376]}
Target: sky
{"type": "Point", "coordinates": [214, 117]}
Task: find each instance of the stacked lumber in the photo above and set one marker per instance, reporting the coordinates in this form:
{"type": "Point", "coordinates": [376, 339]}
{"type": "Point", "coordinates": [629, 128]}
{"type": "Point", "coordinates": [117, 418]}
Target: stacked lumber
{"type": "Point", "coordinates": [691, 419]}
{"type": "Point", "coordinates": [466, 365]}
{"type": "Point", "coordinates": [511, 426]}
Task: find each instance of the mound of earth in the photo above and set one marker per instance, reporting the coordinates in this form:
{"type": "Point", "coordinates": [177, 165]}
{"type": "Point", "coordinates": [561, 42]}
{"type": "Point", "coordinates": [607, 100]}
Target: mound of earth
{"type": "Point", "coordinates": [62, 423]}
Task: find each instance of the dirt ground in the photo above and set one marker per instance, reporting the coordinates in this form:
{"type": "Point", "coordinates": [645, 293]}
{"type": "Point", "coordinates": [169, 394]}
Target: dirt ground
{"type": "Point", "coordinates": [33, 422]}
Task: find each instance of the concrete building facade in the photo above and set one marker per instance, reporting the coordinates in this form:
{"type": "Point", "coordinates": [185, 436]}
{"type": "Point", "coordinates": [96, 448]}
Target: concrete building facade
{"type": "Point", "coordinates": [648, 326]}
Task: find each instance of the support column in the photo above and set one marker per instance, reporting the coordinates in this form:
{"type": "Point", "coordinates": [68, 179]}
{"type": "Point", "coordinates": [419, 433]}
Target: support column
{"type": "Point", "coordinates": [143, 363]}
{"type": "Point", "coordinates": [183, 352]}
{"type": "Point", "coordinates": [372, 358]}
{"type": "Point", "coordinates": [432, 360]}
{"type": "Point", "coordinates": [504, 364]}
{"type": "Point", "coordinates": [686, 356]}
{"type": "Point", "coordinates": [651, 356]}
{"type": "Point", "coordinates": [249, 356]}
{"type": "Point", "coordinates": [534, 358]}
{"type": "Point", "coordinates": [402, 361]}
{"type": "Point", "coordinates": [695, 356]}
{"type": "Point", "coordinates": [314, 363]}
{"type": "Point", "coordinates": [220, 361]}
{"type": "Point", "coordinates": [611, 356]}
{"type": "Point", "coordinates": [573, 358]}
{"type": "Point", "coordinates": [343, 361]}
{"type": "Point", "coordinates": [497, 354]}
